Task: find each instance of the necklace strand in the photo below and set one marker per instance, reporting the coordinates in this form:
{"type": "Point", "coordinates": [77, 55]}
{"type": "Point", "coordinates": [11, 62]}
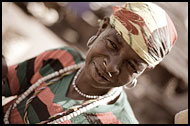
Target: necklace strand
{"type": "Point", "coordinates": [37, 84]}
{"type": "Point", "coordinates": [26, 121]}
{"type": "Point", "coordinates": [76, 88]}
{"type": "Point", "coordinates": [112, 94]}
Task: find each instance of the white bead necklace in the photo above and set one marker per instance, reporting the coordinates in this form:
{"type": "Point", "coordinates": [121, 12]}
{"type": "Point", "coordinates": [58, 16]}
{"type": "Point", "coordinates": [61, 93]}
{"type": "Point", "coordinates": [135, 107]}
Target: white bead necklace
{"type": "Point", "coordinates": [78, 91]}
{"type": "Point", "coordinates": [111, 95]}
{"type": "Point", "coordinates": [37, 84]}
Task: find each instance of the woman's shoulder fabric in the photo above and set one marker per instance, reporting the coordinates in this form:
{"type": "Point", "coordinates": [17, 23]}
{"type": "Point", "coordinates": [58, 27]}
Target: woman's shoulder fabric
{"type": "Point", "coordinates": [42, 65]}
{"type": "Point", "coordinates": [66, 53]}
{"type": "Point", "coordinates": [118, 113]}
{"type": "Point", "coordinates": [55, 59]}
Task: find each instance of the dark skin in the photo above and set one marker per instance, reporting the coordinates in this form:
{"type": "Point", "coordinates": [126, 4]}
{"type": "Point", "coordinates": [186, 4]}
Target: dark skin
{"type": "Point", "coordinates": [121, 61]}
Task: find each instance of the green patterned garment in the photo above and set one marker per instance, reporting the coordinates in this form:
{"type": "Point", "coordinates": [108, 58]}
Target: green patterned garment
{"type": "Point", "coordinates": [53, 99]}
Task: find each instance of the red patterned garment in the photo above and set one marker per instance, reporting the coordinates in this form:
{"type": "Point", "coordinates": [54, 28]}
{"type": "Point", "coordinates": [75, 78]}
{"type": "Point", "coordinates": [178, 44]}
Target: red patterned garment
{"type": "Point", "coordinates": [53, 99]}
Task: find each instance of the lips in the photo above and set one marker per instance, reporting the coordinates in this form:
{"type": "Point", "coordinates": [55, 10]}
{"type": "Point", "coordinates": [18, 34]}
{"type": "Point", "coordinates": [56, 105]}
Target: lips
{"type": "Point", "coordinates": [102, 74]}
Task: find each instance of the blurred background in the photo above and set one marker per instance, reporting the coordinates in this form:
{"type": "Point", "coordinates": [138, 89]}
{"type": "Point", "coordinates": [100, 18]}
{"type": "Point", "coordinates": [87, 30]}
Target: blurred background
{"type": "Point", "coordinates": [29, 28]}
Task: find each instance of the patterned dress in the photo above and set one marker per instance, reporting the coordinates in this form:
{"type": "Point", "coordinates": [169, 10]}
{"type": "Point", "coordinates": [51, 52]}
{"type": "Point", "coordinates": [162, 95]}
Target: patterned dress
{"type": "Point", "coordinates": [53, 99]}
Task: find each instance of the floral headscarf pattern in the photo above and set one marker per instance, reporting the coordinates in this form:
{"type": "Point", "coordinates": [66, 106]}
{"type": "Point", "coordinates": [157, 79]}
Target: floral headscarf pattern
{"type": "Point", "coordinates": [146, 28]}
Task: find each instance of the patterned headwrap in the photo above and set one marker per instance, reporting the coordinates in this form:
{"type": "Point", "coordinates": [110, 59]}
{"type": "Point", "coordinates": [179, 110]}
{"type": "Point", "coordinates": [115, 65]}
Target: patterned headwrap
{"type": "Point", "coordinates": [146, 28]}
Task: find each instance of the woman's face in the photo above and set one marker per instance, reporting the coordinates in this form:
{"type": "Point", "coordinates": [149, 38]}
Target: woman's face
{"type": "Point", "coordinates": [121, 61]}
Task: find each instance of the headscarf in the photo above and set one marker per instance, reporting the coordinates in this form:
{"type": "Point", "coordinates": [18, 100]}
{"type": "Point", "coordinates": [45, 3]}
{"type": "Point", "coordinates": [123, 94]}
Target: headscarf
{"type": "Point", "coordinates": [146, 28]}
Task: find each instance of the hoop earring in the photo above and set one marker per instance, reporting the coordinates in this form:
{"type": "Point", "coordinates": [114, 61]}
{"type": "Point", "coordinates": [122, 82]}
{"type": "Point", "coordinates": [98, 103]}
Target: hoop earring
{"type": "Point", "coordinates": [131, 85]}
{"type": "Point", "coordinates": [91, 40]}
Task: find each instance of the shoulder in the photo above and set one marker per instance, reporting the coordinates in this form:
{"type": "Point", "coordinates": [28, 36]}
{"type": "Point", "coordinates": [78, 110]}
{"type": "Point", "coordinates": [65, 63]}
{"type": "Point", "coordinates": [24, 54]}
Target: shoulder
{"type": "Point", "coordinates": [64, 54]}
{"type": "Point", "coordinates": [66, 50]}
{"type": "Point", "coordinates": [124, 112]}
{"type": "Point", "coordinates": [55, 59]}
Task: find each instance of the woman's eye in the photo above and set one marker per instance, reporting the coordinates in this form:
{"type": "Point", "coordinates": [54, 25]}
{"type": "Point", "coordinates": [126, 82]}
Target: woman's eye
{"type": "Point", "coordinates": [132, 66]}
{"type": "Point", "coordinates": [112, 44]}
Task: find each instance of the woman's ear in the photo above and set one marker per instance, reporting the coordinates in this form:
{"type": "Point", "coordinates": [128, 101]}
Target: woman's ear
{"type": "Point", "coordinates": [105, 22]}
{"type": "Point", "coordinates": [102, 26]}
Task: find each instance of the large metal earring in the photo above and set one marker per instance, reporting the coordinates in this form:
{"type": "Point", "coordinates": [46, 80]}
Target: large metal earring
{"type": "Point", "coordinates": [131, 85]}
{"type": "Point", "coordinates": [91, 40]}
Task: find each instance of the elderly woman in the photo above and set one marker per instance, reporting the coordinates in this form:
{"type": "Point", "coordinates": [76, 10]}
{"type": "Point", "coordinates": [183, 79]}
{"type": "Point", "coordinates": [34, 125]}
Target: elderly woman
{"type": "Point", "coordinates": [60, 86]}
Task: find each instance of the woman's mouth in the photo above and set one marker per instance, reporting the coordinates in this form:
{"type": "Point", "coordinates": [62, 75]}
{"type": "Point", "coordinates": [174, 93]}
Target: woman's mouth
{"type": "Point", "coordinates": [100, 75]}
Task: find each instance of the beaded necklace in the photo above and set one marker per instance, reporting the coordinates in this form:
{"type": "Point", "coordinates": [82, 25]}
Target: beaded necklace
{"type": "Point", "coordinates": [69, 113]}
{"type": "Point", "coordinates": [78, 91]}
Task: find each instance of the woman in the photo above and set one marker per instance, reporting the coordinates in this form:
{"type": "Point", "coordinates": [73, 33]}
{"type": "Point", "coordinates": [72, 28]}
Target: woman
{"type": "Point", "coordinates": [58, 87]}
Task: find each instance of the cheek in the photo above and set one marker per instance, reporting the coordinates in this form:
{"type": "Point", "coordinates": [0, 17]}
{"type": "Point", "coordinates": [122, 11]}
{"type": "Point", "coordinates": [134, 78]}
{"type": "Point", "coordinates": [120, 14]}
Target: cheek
{"type": "Point", "coordinates": [96, 50]}
{"type": "Point", "coordinates": [125, 77]}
